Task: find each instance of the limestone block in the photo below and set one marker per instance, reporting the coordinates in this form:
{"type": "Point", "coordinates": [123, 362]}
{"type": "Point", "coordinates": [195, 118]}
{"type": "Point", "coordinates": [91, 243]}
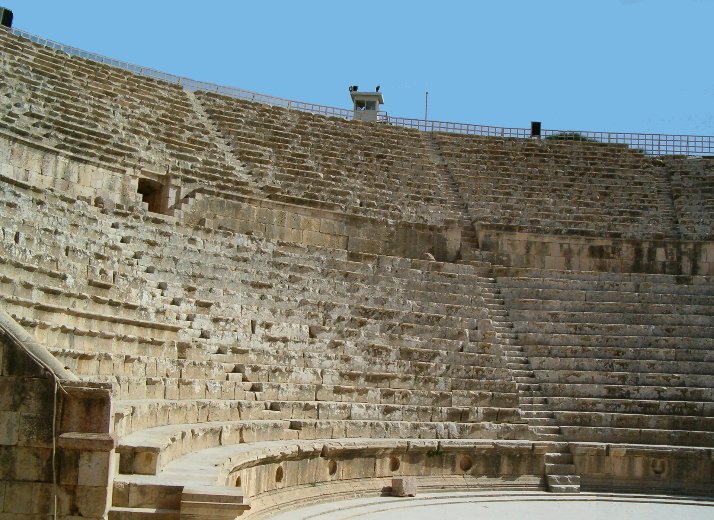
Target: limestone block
{"type": "Point", "coordinates": [307, 223]}
{"type": "Point", "coordinates": [20, 498]}
{"type": "Point", "coordinates": [34, 430]}
{"type": "Point", "coordinates": [91, 501]}
{"type": "Point", "coordinates": [332, 227]}
{"type": "Point", "coordinates": [95, 468]}
{"type": "Point", "coordinates": [404, 487]}
{"type": "Point", "coordinates": [231, 434]}
{"type": "Point", "coordinates": [9, 427]}
{"type": "Point", "coordinates": [325, 240]}
{"type": "Point", "coordinates": [171, 388]}
{"type": "Point", "coordinates": [8, 454]}
{"type": "Point", "coordinates": [192, 389]}
{"type": "Point", "coordinates": [33, 463]}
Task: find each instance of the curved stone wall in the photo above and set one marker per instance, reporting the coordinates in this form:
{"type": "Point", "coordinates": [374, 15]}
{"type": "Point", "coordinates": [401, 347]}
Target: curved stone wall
{"type": "Point", "coordinates": [266, 307]}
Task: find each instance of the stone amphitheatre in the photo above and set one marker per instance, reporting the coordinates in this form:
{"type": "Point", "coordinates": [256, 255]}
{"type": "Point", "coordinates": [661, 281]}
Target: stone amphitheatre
{"type": "Point", "coordinates": [217, 304]}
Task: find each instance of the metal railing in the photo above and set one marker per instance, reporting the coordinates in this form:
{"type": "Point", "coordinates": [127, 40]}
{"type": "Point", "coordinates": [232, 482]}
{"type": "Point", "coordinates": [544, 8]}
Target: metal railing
{"type": "Point", "coordinates": [650, 144]}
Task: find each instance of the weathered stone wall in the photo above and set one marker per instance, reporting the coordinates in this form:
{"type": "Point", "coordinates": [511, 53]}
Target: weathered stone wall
{"type": "Point", "coordinates": [514, 249]}
{"type": "Point", "coordinates": [44, 167]}
{"type": "Point", "coordinates": [634, 468]}
{"type": "Point", "coordinates": [437, 464]}
{"type": "Point", "coordinates": [55, 435]}
{"type": "Point", "coordinates": [26, 402]}
{"type": "Point", "coordinates": [319, 227]}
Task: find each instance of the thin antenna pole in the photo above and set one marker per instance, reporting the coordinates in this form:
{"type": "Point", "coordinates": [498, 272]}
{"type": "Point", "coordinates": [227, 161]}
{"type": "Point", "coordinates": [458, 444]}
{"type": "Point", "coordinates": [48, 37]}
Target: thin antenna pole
{"type": "Point", "coordinates": [426, 106]}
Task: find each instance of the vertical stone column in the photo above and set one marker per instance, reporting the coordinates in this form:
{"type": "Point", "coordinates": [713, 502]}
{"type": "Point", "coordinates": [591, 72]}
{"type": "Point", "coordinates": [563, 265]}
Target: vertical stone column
{"type": "Point", "coordinates": [87, 448]}
{"type": "Point", "coordinates": [25, 435]}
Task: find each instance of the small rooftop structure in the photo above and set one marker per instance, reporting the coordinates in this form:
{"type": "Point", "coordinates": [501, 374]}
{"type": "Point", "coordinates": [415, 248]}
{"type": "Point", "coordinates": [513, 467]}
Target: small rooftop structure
{"type": "Point", "coordinates": [5, 17]}
{"type": "Point", "coordinates": [366, 104]}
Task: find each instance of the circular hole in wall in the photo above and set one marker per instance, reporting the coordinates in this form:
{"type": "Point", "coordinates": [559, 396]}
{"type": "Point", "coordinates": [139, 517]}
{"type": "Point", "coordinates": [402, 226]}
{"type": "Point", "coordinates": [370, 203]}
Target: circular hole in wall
{"type": "Point", "coordinates": [466, 463]}
{"type": "Point", "coordinates": [238, 481]}
{"type": "Point", "coordinates": [332, 467]}
{"type": "Point", "coordinates": [279, 474]}
{"type": "Point", "coordinates": [659, 466]}
{"type": "Point", "coordinates": [394, 463]}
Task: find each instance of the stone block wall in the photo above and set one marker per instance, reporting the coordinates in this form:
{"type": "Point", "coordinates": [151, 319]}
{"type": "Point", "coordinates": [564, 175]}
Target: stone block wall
{"type": "Point", "coordinates": [318, 227]}
{"type": "Point", "coordinates": [44, 168]}
{"type": "Point", "coordinates": [56, 448]}
{"type": "Point", "coordinates": [632, 468]}
{"type": "Point", "coordinates": [532, 250]}
{"type": "Point", "coordinates": [26, 402]}
{"type": "Point", "coordinates": [368, 467]}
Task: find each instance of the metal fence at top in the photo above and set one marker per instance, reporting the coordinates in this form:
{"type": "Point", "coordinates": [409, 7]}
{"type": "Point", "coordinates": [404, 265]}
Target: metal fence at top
{"type": "Point", "coordinates": [650, 144]}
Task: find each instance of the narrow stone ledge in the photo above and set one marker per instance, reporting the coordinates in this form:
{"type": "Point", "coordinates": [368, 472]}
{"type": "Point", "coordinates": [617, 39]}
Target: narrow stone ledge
{"type": "Point", "coordinates": [88, 441]}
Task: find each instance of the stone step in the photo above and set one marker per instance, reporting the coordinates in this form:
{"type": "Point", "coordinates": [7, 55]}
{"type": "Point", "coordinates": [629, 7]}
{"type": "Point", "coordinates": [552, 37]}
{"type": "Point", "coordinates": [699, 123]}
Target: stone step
{"type": "Point", "coordinates": [520, 372]}
{"type": "Point", "coordinates": [143, 513]}
{"type": "Point", "coordinates": [563, 483]}
{"type": "Point", "coordinates": [537, 414]}
{"type": "Point", "coordinates": [530, 407]}
{"type": "Point", "coordinates": [559, 469]}
{"type": "Point", "coordinates": [558, 488]}
{"type": "Point", "coordinates": [547, 430]}
{"type": "Point", "coordinates": [559, 458]}
{"type": "Point", "coordinates": [199, 501]}
{"type": "Point", "coordinates": [540, 421]}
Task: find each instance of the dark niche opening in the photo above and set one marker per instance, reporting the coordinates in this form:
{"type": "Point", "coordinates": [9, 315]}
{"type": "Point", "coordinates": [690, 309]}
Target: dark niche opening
{"type": "Point", "coordinates": [150, 192]}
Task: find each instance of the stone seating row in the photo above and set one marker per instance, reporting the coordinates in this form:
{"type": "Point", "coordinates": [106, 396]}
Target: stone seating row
{"type": "Point", "coordinates": [671, 398]}
{"type": "Point", "coordinates": [505, 199]}
{"type": "Point", "coordinates": [222, 464]}
{"type": "Point", "coordinates": [651, 436]}
{"type": "Point", "coordinates": [54, 299]}
{"type": "Point", "coordinates": [317, 366]}
{"type": "Point", "coordinates": [614, 368]}
{"type": "Point", "coordinates": [195, 156]}
{"type": "Point", "coordinates": [555, 151]}
{"type": "Point", "coordinates": [659, 406]}
{"type": "Point", "coordinates": [127, 238]}
{"type": "Point", "coordinates": [693, 195]}
{"type": "Point", "coordinates": [677, 353]}
{"type": "Point", "coordinates": [103, 113]}
{"type": "Point", "coordinates": [609, 286]}
{"type": "Point", "coordinates": [660, 307]}
{"type": "Point", "coordinates": [150, 451]}
{"type": "Point", "coordinates": [631, 316]}
{"type": "Point", "coordinates": [624, 352]}
{"type": "Point", "coordinates": [301, 156]}
{"type": "Point", "coordinates": [138, 415]}
{"type": "Point", "coordinates": [493, 171]}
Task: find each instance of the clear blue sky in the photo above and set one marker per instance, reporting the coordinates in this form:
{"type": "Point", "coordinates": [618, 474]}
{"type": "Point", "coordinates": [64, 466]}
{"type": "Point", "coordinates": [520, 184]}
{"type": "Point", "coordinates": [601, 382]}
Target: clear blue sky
{"type": "Point", "coordinates": [620, 65]}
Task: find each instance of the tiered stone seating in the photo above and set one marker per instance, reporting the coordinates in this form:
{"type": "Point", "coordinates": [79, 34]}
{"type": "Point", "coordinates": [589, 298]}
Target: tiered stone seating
{"type": "Point", "coordinates": [228, 352]}
{"type": "Point", "coordinates": [559, 187]}
{"type": "Point", "coordinates": [269, 340]}
{"type": "Point", "coordinates": [359, 168]}
{"type": "Point", "coordinates": [693, 194]}
{"type": "Point", "coordinates": [620, 358]}
{"type": "Point", "coordinates": [105, 114]}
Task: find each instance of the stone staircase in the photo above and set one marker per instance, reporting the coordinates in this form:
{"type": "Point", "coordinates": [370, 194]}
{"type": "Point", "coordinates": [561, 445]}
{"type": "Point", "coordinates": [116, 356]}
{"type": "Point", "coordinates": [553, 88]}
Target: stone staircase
{"type": "Point", "coordinates": [241, 169]}
{"type": "Point", "coordinates": [533, 407]}
{"type": "Point", "coordinates": [469, 240]}
{"type": "Point", "coordinates": [560, 473]}
{"type": "Point", "coordinates": [667, 209]}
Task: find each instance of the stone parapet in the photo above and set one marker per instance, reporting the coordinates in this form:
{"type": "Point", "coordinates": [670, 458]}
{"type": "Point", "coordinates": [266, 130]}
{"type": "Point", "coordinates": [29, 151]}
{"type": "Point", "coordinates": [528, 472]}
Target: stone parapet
{"type": "Point", "coordinates": [614, 255]}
